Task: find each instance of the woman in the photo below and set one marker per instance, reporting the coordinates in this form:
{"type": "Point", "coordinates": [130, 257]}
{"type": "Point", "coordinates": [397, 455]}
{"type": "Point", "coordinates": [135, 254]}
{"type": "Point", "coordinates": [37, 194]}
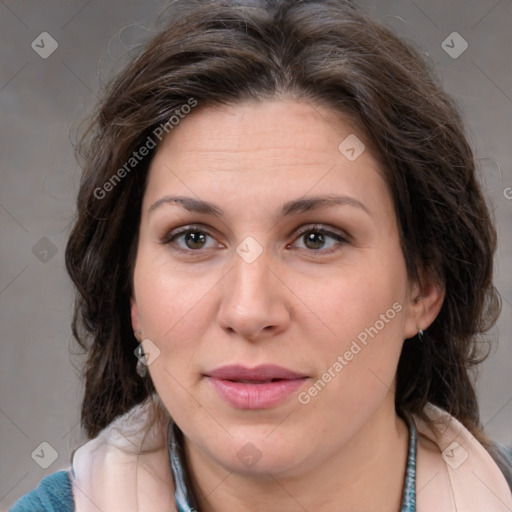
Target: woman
{"type": "Point", "coordinates": [283, 262]}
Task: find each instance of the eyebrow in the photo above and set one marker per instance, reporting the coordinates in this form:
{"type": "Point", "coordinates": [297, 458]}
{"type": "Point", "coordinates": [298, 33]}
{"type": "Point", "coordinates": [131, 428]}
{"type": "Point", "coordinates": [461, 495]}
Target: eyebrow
{"type": "Point", "coordinates": [291, 207]}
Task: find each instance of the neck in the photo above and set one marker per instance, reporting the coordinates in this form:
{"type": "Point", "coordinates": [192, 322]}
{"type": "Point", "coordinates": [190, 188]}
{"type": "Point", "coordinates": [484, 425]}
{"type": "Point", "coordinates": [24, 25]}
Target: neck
{"type": "Point", "coordinates": [366, 474]}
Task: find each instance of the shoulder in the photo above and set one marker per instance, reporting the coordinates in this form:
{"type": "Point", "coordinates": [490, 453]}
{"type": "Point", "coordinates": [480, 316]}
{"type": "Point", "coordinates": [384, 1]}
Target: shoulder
{"type": "Point", "coordinates": [502, 455]}
{"type": "Point", "coordinates": [53, 494]}
{"type": "Point", "coordinates": [460, 472]}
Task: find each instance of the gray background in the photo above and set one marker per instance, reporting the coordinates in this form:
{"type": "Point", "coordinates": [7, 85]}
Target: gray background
{"type": "Point", "coordinates": [43, 101]}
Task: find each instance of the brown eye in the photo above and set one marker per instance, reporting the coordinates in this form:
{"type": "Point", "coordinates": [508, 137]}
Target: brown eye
{"type": "Point", "coordinates": [194, 239]}
{"type": "Point", "coordinates": [189, 238]}
{"type": "Point", "coordinates": [315, 238]}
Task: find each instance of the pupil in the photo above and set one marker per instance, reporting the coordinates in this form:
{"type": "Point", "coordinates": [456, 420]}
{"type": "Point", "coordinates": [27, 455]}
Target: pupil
{"type": "Point", "coordinates": [311, 238]}
{"type": "Point", "coordinates": [193, 237]}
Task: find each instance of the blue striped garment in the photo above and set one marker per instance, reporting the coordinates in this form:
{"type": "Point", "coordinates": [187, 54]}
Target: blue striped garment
{"type": "Point", "coordinates": [53, 494]}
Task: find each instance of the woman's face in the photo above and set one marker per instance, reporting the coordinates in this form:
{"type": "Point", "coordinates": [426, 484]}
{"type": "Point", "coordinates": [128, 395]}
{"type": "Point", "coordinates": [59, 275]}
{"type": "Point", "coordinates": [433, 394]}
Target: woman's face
{"type": "Point", "coordinates": [260, 284]}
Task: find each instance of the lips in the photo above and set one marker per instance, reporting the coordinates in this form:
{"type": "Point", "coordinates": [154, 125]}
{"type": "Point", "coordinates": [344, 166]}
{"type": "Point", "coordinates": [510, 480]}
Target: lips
{"type": "Point", "coordinates": [261, 387]}
{"type": "Point", "coordinates": [267, 372]}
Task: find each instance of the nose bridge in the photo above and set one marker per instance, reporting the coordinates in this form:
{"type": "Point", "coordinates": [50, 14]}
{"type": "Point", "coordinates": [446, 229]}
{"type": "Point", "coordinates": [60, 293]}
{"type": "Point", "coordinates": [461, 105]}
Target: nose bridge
{"type": "Point", "coordinates": [252, 298]}
{"type": "Point", "coordinates": [249, 281]}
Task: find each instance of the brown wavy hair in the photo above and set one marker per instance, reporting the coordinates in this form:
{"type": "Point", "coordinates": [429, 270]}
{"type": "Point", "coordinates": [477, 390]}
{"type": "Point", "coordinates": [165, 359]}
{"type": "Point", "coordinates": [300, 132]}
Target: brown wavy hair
{"type": "Point", "coordinates": [332, 54]}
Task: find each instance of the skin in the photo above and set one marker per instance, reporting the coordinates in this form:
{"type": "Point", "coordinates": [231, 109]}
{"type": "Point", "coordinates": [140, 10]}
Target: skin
{"type": "Point", "coordinates": [299, 305]}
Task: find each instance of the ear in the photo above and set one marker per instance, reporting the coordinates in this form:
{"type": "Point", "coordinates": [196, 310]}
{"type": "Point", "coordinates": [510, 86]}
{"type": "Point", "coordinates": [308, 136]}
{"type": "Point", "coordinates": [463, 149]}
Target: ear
{"type": "Point", "coordinates": [425, 302]}
{"type": "Point", "coordinates": [134, 311]}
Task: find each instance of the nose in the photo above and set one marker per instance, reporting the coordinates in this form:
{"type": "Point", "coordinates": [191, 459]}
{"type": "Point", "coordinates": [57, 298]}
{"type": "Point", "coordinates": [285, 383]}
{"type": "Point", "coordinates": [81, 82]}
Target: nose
{"type": "Point", "coordinates": [255, 300]}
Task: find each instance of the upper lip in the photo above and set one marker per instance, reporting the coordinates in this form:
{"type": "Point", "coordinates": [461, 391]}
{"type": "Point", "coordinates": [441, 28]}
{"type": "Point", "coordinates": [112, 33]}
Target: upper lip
{"type": "Point", "coordinates": [262, 372]}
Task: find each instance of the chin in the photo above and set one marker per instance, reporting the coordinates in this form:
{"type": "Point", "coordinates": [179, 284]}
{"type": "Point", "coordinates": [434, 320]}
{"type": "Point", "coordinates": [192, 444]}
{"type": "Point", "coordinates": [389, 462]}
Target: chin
{"type": "Point", "coordinates": [255, 453]}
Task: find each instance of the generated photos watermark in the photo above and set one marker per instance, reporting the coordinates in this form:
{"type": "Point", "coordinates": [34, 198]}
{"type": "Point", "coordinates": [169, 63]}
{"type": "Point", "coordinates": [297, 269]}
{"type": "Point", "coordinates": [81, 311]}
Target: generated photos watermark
{"type": "Point", "coordinates": [150, 143]}
{"type": "Point", "coordinates": [343, 360]}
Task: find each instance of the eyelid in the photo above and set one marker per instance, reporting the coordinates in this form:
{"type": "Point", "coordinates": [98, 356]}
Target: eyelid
{"type": "Point", "coordinates": [323, 228]}
{"type": "Point", "coordinates": [200, 228]}
{"type": "Point", "coordinates": [336, 234]}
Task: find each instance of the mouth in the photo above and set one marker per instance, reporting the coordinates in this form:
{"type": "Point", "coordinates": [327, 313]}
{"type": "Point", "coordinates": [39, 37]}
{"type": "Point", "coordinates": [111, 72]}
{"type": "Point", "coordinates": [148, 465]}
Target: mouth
{"type": "Point", "coordinates": [261, 387]}
{"type": "Point", "coordinates": [262, 373]}
{"type": "Point", "coordinates": [246, 381]}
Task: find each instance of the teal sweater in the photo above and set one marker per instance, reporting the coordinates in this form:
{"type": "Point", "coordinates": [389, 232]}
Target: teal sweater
{"type": "Point", "coordinates": [53, 494]}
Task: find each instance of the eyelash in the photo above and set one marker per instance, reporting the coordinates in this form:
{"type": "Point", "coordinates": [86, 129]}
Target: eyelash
{"type": "Point", "coordinates": [170, 238]}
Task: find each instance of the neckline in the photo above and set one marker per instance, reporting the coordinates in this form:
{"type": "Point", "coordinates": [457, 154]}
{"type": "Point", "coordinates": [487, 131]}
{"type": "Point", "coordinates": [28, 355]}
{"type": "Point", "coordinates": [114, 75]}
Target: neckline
{"type": "Point", "coordinates": [184, 498]}
{"type": "Point", "coordinates": [409, 494]}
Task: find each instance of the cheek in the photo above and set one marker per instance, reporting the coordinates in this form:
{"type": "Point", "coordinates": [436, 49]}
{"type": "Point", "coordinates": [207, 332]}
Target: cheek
{"type": "Point", "coordinates": [358, 298]}
{"type": "Point", "coordinates": [171, 301]}
{"type": "Point", "coordinates": [173, 317]}
{"type": "Point", "coordinates": [172, 308]}
{"type": "Point", "coordinates": [365, 312]}
{"type": "Point", "coordinates": [355, 372]}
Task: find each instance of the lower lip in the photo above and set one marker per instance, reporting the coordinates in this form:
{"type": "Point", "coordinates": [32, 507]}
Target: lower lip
{"type": "Point", "coordinates": [255, 396]}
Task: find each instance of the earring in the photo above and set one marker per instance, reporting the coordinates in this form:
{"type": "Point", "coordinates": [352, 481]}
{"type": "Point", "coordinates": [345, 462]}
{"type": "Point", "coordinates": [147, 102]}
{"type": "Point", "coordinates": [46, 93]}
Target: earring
{"type": "Point", "coordinates": [140, 368]}
{"type": "Point", "coordinates": [420, 334]}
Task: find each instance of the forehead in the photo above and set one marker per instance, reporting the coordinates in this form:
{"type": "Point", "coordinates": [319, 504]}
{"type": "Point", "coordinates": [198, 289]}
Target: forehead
{"type": "Point", "coordinates": [266, 150]}
{"type": "Point", "coordinates": [279, 127]}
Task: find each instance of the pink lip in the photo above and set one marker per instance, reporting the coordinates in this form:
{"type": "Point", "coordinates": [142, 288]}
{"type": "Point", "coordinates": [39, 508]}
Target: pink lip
{"type": "Point", "coordinates": [254, 388]}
